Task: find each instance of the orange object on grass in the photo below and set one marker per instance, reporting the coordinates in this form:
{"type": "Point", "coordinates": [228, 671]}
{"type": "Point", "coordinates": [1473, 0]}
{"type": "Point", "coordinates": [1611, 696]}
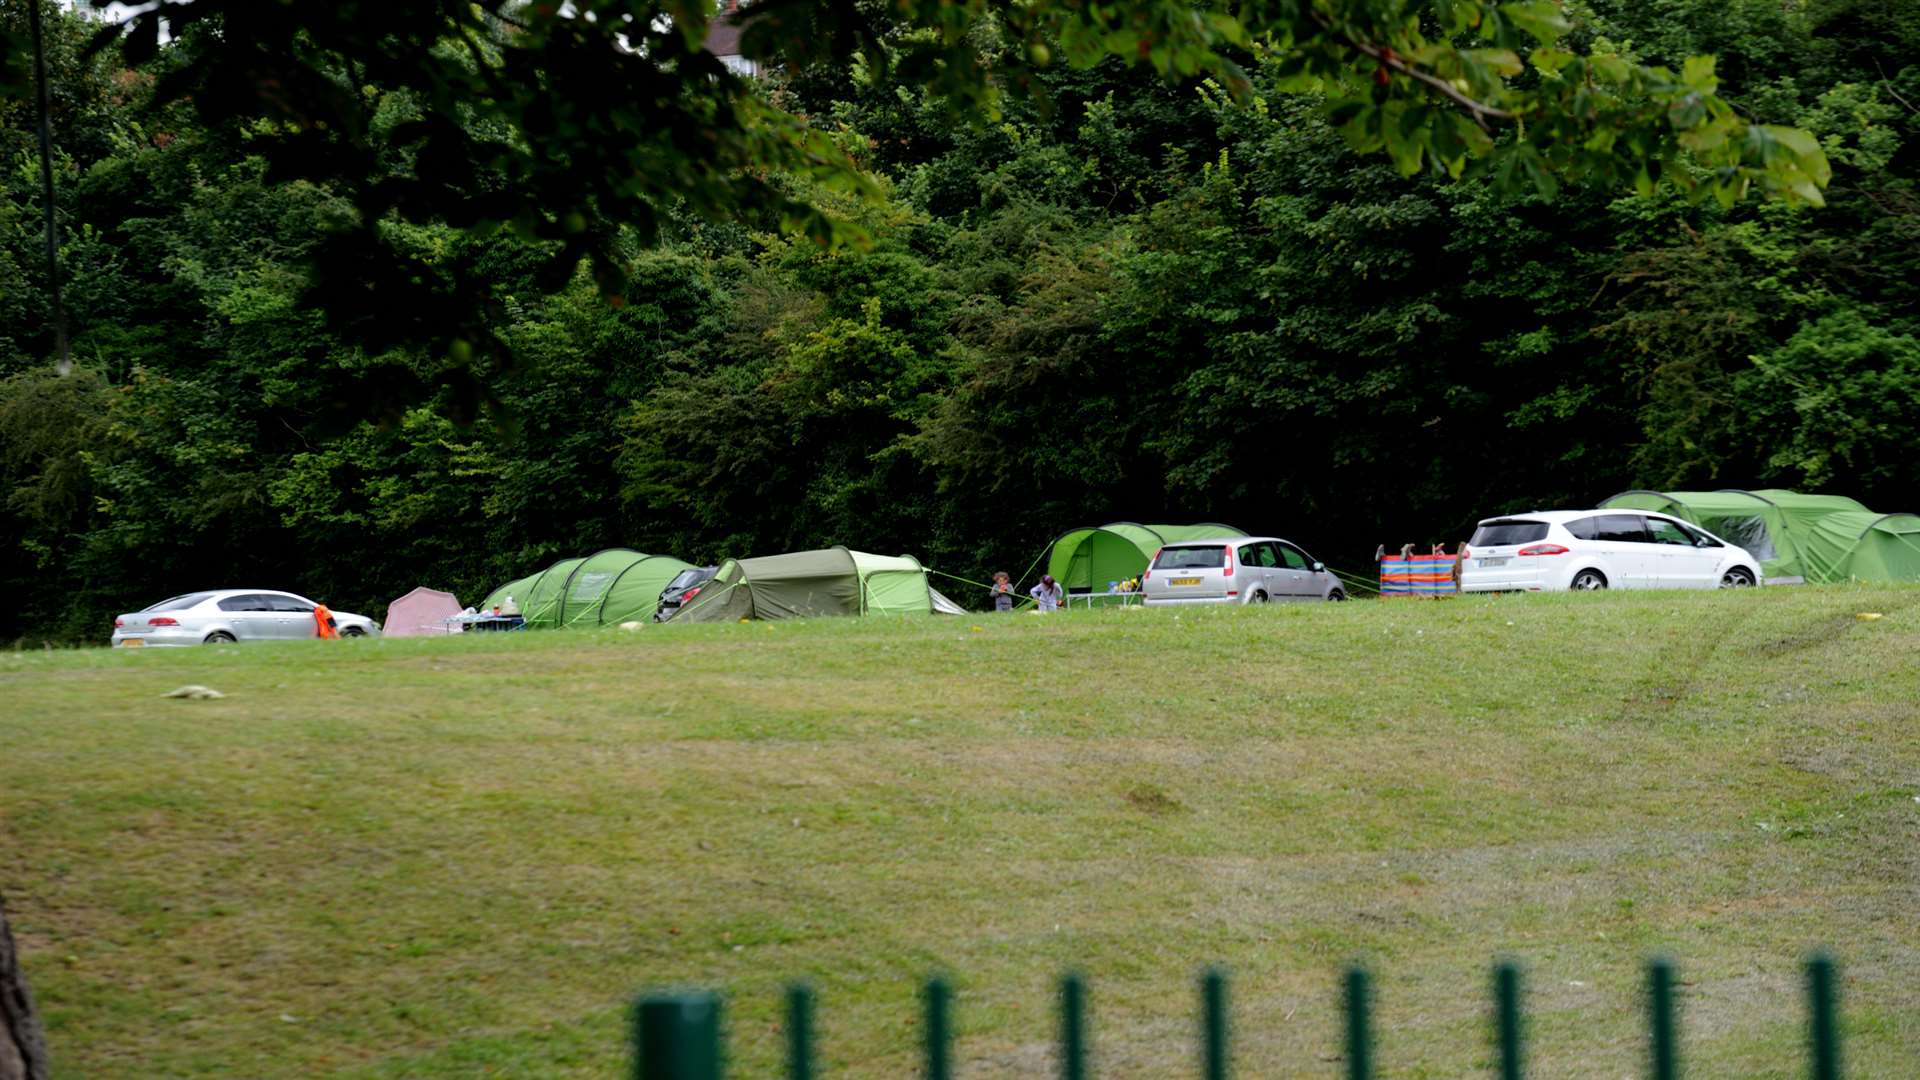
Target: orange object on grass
{"type": "Point", "coordinates": [323, 619]}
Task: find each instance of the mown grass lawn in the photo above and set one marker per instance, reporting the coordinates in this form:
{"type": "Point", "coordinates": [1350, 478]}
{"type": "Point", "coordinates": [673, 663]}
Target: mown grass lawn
{"type": "Point", "coordinates": [462, 857]}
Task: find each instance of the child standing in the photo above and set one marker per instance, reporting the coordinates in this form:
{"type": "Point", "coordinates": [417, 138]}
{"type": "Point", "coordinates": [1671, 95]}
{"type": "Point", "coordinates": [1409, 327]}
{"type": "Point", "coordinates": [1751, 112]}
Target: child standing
{"type": "Point", "coordinates": [1002, 591]}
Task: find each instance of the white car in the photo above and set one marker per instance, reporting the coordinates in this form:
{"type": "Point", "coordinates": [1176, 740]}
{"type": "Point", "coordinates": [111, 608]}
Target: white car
{"type": "Point", "coordinates": [1598, 549]}
{"type": "Point", "coordinates": [224, 615]}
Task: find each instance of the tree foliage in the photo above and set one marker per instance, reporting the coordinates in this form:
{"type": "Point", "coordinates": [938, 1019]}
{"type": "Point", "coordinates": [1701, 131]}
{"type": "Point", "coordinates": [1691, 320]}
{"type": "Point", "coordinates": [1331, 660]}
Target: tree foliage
{"type": "Point", "coordinates": [1179, 284]}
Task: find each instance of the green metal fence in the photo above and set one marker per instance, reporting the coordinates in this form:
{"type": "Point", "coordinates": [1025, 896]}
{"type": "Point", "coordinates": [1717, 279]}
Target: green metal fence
{"type": "Point", "coordinates": [679, 1037]}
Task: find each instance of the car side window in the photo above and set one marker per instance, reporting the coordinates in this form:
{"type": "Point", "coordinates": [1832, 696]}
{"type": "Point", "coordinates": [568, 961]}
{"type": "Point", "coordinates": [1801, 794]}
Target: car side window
{"type": "Point", "coordinates": [1699, 538]}
{"type": "Point", "coordinates": [1624, 528]}
{"type": "Point", "coordinates": [1296, 559]}
{"type": "Point", "coordinates": [1587, 528]}
{"type": "Point", "coordinates": [1666, 532]}
{"type": "Point", "coordinates": [291, 604]}
{"type": "Point", "coordinates": [246, 602]}
{"type": "Point", "coordinates": [1258, 556]}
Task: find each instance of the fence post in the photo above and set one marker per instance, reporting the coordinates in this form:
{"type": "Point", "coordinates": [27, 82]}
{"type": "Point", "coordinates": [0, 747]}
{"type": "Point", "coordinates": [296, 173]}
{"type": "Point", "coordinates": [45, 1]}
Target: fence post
{"type": "Point", "coordinates": [1506, 993]}
{"type": "Point", "coordinates": [677, 1037]}
{"type": "Point", "coordinates": [939, 1030]}
{"type": "Point", "coordinates": [1359, 1035]}
{"type": "Point", "coordinates": [1073, 1027]}
{"type": "Point", "coordinates": [1825, 1009]}
{"type": "Point", "coordinates": [800, 1032]}
{"type": "Point", "coordinates": [1666, 1057]}
{"type": "Point", "coordinates": [1213, 1024]}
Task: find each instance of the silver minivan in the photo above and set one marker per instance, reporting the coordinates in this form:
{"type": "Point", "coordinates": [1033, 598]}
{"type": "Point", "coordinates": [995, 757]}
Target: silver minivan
{"type": "Point", "coordinates": [1240, 570]}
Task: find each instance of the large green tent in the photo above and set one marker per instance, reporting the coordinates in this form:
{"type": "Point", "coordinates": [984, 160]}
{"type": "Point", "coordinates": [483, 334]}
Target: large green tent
{"type": "Point", "coordinates": [1797, 537]}
{"type": "Point", "coordinates": [606, 588]}
{"type": "Point", "coordinates": [1087, 558]}
{"type": "Point", "coordinates": [832, 581]}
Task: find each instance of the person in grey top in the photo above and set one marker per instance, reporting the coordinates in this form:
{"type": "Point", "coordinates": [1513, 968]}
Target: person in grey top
{"type": "Point", "coordinates": [1048, 593]}
{"type": "Point", "coordinates": [1002, 591]}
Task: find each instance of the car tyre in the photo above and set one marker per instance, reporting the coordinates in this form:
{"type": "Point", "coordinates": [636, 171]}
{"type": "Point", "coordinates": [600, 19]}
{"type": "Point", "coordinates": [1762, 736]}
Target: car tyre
{"type": "Point", "coordinates": [353, 631]}
{"type": "Point", "coordinates": [1257, 597]}
{"type": "Point", "coordinates": [1336, 596]}
{"type": "Point", "coordinates": [220, 637]}
{"type": "Point", "coordinates": [1589, 580]}
{"type": "Point", "coordinates": [1736, 578]}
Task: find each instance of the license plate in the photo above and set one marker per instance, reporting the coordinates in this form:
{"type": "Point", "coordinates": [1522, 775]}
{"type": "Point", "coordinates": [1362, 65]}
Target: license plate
{"type": "Point", "coordinates": [128, 643]}
{"type": "Point", "coordinates": [1501, 561]}
{"type": "Point", "coordinates": [1184, 581]}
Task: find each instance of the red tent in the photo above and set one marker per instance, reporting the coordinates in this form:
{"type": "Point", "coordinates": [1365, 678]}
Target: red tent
{"type": "Point", "coordinates": [421, 613]}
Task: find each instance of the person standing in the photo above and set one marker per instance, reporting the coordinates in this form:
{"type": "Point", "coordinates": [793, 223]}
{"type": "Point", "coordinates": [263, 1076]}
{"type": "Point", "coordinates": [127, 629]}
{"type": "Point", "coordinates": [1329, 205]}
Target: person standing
{"type": "Point", "coordinates": [1002, 591]}
{"type": "Point", "coordinates": [1048, 593]}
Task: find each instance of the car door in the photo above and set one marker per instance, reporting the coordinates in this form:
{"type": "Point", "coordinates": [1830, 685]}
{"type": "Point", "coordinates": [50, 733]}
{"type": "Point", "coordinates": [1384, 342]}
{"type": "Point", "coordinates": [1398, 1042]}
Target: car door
{"type": "Point", "coordinates": [1633, 558]}
{"type": "Point", "coordinates": [296, 617]}
{"type": "Point", "coordinates": [251, 615]}
{"type": "Point", "coordinates": [1700, 554]}
{"type": "Point", "coordinates": [1298, 571]}
{"type": "Point", "coordinates": [1680, 563]}
{"type": "Point", "coordinates": [1256, 561]}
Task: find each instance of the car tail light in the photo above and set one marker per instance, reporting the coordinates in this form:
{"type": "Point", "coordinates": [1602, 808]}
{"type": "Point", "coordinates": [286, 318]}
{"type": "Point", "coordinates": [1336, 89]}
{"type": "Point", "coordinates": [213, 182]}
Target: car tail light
{"type": "Point", "coordinates": [118, 623]}
{"type": "Point", "coordinates": [1150, 562]}
{"type": "Point", "coordinates": [163, 620]}
{"type": "Point", "coordinates": [1543, 549]}
{"type": "Point", "coordinates": [1229, 552]}
{"type": "Point", "coordinates": [690, 593]}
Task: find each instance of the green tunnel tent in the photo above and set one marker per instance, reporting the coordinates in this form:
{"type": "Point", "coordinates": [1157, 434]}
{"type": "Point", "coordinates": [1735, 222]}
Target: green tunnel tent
{"type": "Point", "coordinates": [1797, 537]}
{"type": "Point", "coordinates": [603, 589]}
{"type": "Point", "coordinates": [830, 581]}
{"type": "Point", "coordinates": [1087, 558]}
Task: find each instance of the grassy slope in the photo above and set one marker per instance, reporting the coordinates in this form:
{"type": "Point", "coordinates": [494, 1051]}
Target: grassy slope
{"type": "Point", "coordinates": [433, 858]}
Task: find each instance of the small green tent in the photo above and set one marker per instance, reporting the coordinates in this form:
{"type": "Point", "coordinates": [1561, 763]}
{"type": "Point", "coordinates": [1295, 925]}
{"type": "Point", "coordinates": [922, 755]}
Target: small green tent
{"type": "Point", "coordinates": [832, 581]}
{"type": "Point", "coordinates": [606, 588]}
{"type": "Point", "coordinates": [1796, 537]}
{"type": "Point", "coordinates": [1087, 558]}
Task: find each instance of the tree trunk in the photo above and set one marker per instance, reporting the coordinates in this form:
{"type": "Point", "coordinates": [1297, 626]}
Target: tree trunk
{"type": "Point", "coordinates": [23, 1045]}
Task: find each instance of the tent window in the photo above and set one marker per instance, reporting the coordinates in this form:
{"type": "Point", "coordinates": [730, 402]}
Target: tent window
{"type": "Point", "coordinates": [1747, 532]}
{"type": "Point", "coordinates": [587, 586]}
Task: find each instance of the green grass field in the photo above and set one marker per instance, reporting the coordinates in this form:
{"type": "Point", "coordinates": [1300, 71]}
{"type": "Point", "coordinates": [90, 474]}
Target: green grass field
{"type": "Point", "coordinates": [462, 857]}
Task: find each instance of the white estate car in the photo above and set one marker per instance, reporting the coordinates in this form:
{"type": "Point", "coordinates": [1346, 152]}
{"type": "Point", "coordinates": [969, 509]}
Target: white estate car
{"type": "Point", "coordinates": [222, 615]}
{"type": "Point", "coordinates": [1599, 549]}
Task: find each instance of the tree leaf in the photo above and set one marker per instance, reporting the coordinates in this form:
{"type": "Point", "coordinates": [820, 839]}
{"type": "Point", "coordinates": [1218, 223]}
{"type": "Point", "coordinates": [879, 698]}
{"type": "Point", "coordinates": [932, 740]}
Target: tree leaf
{"type": "Point", "coordinates": [1541, 19]}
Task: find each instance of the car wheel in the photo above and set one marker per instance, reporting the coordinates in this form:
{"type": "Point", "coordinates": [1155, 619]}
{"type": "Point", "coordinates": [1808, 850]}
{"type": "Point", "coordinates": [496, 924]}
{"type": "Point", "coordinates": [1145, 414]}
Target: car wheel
{"type": "Point", "coordinates": [1257, 597]}
{"type": "Point", "coordinates": [220, 637]}
{"type": "Point", "coordinates": [1336, 596]}
{"type": "Point", "coordinates": [353, 631]}
{"type": "Point", "coordinates": [1736, 578]}
{"type": "Point", "coordinates": [1588, 580]}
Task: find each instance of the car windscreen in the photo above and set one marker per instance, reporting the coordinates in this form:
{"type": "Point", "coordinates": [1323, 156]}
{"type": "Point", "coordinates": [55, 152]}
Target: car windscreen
{"type": "Point", "coordinates": [1503, 533]}
{"type": "Point", "coordinates": [1191, 558]}
{"type": "Point", "coordinates": [182, 603]}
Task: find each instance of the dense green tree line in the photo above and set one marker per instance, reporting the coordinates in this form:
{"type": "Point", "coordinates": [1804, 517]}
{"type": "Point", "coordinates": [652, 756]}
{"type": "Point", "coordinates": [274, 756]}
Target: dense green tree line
{"type": "Point", "coordinates": [1126, 298]}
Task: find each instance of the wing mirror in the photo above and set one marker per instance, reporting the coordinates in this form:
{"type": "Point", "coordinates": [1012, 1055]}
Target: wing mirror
{"type": "Point", "coordinates": [1319, 568]}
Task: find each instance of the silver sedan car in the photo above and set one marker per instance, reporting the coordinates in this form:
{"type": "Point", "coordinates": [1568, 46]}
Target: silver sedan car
{"type": "Point", "coordinates": [1237, 570]}
{"type": "Point", "coordinates": [224, 615]}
